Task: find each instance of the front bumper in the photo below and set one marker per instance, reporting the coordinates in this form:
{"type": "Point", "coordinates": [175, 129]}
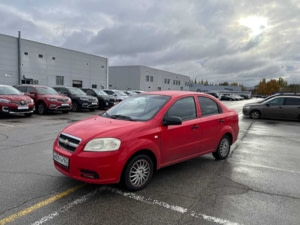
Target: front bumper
{"type": "Point", "coordinates": [89, 105]}
{"type": "Point", "coordinates": [17, 110]}
{"type": "Point", "coordinates": [90, 167]}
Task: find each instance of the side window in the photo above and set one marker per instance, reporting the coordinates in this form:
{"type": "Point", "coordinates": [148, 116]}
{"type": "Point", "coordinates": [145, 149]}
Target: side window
{"type": "Point", "coordinates": [292, 101]}
{"type": "Point", "coordinates": [276, 101]}
{"type": "Point", "coordinates": [208, 106]}
{"type": "Point", "coordinates": [184, 108]}
{"type": "Point", "coordinates": [30, 89]}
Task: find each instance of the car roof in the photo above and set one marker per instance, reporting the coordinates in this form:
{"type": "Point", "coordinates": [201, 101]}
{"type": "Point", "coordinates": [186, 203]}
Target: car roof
{"type": "Point", "coordinates": [32, 85]}
{"type": "Point", "coordinates": [175, 93]}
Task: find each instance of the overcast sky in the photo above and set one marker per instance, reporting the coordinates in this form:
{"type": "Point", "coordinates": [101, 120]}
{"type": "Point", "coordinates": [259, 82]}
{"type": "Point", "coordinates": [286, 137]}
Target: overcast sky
{"type": "Point", "coordinates": [239, 41]}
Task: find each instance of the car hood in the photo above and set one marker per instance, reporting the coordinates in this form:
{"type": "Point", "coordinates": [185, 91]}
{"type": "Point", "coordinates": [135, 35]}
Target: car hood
{"type": "Point", "coordinates": [98, 126]}
{"type": "Point", "coordinates": [15, 97]}
{"type": "Point", "coordinates": [253, 104]}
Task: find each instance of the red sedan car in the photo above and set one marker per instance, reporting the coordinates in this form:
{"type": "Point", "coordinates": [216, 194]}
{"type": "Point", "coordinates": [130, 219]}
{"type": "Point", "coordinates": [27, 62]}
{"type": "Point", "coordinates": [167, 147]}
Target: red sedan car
{"type": "Point", "coordinates": [15, 102]}
{"type": "Point", "coordinates": [142, 134]}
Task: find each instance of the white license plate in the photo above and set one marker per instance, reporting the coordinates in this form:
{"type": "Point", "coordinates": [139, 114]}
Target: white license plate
{"type": "Point", "coordinates": [23, 107]}
{"type": "Point", "coordinates": [64, 104]}
{"type": "Point", "coordinates": [94, 103]}
{"type": "Point", "coordinates": [61, 159]}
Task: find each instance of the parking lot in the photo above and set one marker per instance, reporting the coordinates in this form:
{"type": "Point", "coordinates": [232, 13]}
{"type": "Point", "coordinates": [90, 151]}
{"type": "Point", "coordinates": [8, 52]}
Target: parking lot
{"type": "Point", "coordinates": [257, 184]}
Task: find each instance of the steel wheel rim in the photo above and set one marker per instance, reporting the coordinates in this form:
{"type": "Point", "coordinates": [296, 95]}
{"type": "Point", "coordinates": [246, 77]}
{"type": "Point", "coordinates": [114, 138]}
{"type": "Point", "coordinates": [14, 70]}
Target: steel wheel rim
{"type": "Point", "coordinates": [139, 173]}
{"type": "Point", "coordinates": [224, 147]}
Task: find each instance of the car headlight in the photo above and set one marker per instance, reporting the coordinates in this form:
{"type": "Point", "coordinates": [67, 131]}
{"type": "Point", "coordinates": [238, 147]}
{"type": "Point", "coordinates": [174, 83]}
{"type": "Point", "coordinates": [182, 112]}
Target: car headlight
{"type": "Point", "coordinates": [102, 145]}
{"type": "Point", "coordinates": [4, 100]}
{"type": "Point", "coordinates": [52, 99]}
{"type": "Point", "coordinates": [84, 99]}
{"type": "Point", "coordinates": [246, 107]}
{"type": "Point", "coordinates": [31, 101]}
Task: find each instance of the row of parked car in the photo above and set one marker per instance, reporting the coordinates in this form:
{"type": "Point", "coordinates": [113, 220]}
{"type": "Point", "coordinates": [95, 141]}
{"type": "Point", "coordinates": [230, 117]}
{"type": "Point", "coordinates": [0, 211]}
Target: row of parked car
{"type": "Point", "coordinates": [27, 99]}
{"type": "Point", "coordinates": [229, 96]}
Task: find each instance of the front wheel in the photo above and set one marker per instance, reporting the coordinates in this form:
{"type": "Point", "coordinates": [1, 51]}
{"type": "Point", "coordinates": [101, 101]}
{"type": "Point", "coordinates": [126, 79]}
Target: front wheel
{"type": "Point", "coordinates": [41, 108]}
{"type": "Point", "coordinates": [223, 148]}
{"type": "Point", "coordinates": [138, 172]}
{"type": "Point", "coordinates": [255, 114]}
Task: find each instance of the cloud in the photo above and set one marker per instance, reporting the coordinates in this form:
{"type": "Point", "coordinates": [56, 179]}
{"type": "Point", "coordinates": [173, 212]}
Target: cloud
{"type": "Point", "coordinates": [201, 39]}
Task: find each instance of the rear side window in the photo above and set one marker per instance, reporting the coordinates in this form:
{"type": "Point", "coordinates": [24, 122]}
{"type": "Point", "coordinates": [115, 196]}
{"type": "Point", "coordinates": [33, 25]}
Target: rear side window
{"type": "Point", "coordinates": [208, 106]}
{"type": "Point", "coordinates": [183, 108]}
{"type": "Point", "coordinates": [292, 101]}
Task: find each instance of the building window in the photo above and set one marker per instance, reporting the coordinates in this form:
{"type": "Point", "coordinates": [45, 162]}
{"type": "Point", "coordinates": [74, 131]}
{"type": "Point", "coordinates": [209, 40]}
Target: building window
{"type": "Point", "coordinates": [94, 85]}
{"type": "Point", "coordinates": [147, 78]}
{"type": "Point", "coordinates": [53, 58]}
{"type": "Point", "coordinates": [59, 80]}
{"type": "Point", "coordinates": [151, 78]}
{"type": "Point", "coordinates": [25, 53]}
{"type": "Point", "coordinates": [77, 83]}
{"type": "Point", "coordinates": [40, 56]}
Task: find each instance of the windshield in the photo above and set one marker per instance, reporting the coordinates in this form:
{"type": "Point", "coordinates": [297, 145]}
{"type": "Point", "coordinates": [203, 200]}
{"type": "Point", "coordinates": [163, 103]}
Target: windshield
{"type": "Point", "coordinates": [100, 92]}
{"type": "Point", "coordinates": [46, 91]}
{"type": "Point", "coordinates": [77, 91]}
{"type": "Point", "coordinates": [137, 108]}
{"type": "Point", "coordinates": [120, 93]}
{"type": "Point", "coordinates": [8, 90]}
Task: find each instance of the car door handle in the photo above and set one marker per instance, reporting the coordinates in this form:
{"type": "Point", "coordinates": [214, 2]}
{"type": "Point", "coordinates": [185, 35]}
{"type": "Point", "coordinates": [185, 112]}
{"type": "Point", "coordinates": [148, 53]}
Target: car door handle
{"type": "Point", "coordinates": [195, 127]}
{"type": "Point", "coordinates": [221, 121]}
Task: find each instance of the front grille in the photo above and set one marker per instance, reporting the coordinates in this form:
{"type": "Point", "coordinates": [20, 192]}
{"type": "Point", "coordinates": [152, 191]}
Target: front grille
{"type": "Point", "coordinates": [93, 100]}
{"type": "Point", "coordinates": [68, 142]}
{"type": "Point", "coordinates": [21, 103]}
{"type": "Point", "coordinates": [63, 100]}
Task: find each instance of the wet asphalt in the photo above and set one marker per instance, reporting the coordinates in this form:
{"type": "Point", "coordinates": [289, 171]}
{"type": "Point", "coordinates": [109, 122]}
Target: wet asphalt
{"type": "Point", "coordinates": [258, 184]}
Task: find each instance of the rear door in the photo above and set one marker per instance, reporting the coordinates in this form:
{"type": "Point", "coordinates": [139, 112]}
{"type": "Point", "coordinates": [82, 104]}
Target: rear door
{"type": "Point", "coordinates": [210, 124]}
{"type": "Point", "coordinates": [291, 108]}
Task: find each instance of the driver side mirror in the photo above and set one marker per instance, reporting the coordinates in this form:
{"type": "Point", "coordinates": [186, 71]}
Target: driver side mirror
{"type": "Point", "coordinates": [171, 120]}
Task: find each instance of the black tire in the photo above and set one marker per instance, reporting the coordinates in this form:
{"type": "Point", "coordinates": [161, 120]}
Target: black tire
{"type": "Point", "coordinates": [75, 106]}
{"type": "Point", "coordinates": [138, 172]}
{"type": "Point", "coordinates": [223, 149]}
{"type": "Point", "coordinates": [255, 114]}
{"type": "Point", "coordinates": [41, 108]}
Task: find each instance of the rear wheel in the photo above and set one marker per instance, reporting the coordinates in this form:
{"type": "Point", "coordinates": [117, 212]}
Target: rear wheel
{"type": "Point", "coordinates": [255, 114]}
{"type": "Point", "coordinates": [41, 108]}
{"type": "Point", "coordinates": [223, 148]}
{"type": "Point", "coordinates": [138, 172]}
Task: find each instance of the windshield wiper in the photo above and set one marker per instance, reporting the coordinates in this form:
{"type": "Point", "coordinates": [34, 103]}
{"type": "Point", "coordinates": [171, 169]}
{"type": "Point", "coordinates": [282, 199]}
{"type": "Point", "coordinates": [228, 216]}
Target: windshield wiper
{"type": "Point", "coordinates": [122, 117]}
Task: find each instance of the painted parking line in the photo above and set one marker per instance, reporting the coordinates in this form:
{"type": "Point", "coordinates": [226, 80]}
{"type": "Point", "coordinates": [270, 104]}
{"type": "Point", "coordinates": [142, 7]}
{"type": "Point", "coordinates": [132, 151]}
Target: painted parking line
{"type": "Point", "coordinates": [136, 197]}
{"type": "Point", "coordinates": [30, 209]}
{"type": "Point", "coordinates": [175, 208]}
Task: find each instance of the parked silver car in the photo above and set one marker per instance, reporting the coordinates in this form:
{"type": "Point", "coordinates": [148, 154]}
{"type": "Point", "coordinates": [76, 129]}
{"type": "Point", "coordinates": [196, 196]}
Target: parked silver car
{"type": "Point", "coordinates": [278, 107]}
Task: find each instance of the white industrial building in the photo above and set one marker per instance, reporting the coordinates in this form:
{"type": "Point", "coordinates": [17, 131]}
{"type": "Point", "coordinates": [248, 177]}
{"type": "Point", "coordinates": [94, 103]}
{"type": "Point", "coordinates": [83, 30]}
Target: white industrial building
{"type": "Point", "coordinates": [146, 79]}
{"type": "Point", "coordinates": [24, 61]}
